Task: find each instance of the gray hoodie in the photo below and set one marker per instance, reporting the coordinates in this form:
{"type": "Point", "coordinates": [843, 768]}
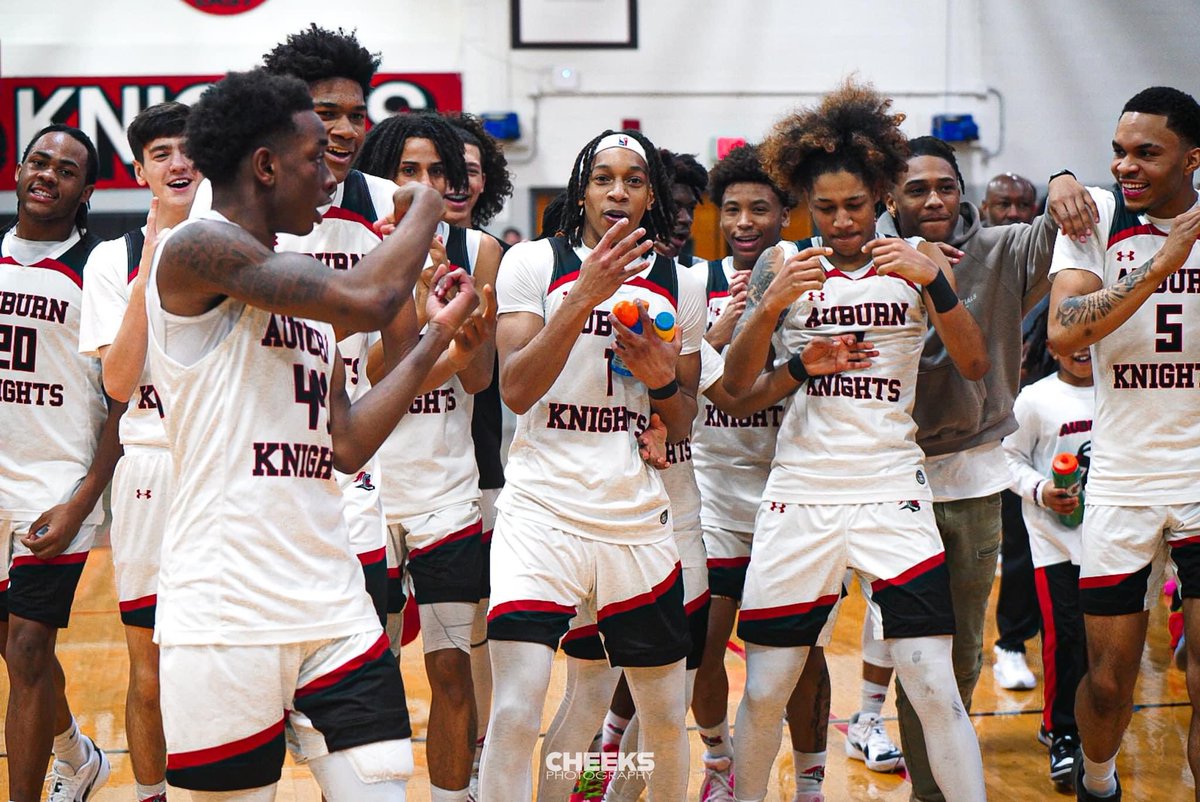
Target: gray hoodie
{"type": "Point", "coordinates": [1002, 275]}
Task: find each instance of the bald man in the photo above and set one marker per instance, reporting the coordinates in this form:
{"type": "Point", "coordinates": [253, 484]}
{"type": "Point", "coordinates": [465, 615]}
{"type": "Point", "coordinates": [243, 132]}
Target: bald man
{"type": "Point", "coordinates": [1010, 198]}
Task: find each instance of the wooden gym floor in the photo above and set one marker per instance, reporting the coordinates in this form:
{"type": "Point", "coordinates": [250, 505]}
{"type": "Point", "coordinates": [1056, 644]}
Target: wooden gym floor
{"type": "Point", "coordinates": [1152, 763]}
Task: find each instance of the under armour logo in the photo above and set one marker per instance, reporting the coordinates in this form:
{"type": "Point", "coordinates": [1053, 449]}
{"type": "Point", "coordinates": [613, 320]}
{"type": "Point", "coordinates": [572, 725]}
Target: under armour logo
{"type": "Point", "coordinates": [777, 506]}
{"type": "Point", "coordinates": [143, 494]}
{"type": "Point", "coordinates": [816, 296]}
{"type": "Point", "coordinates": [1124, 255]}
{"type": "Point", "coordinates": [363, 481]}
{"type": "Point", "coordinates": [911, 506]}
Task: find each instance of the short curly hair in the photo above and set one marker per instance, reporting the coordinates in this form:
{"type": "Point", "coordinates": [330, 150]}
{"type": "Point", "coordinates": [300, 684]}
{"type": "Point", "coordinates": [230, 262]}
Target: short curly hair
{"type": "Point", "coordinates": [242, 111]}
{"type": "Point", "coordinates": [384, 146]}
{"type": "Point", "coordinates": [317, 54]}
{"type": "Point", "coordinates": [851, 129]}
{"type": "Point", "coordinates": [742, 165]}
{"type": "Point", "coordinates": [1180, 109]}
{"type": "Point", "coordinates": [685, 170]}
{"type": "Point", "coordinates": [497, 185]}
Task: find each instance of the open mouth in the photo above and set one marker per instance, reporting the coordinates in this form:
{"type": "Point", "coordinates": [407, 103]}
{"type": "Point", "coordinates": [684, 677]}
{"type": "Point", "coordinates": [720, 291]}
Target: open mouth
{"type": "Point", "coordinates": [456, 199]}
{"type": "Point", "coordinates": [746, 242]}
{"type": "Point", "coordinates": [1134, 189]}
{"type": "Point", "coordinates": [180, 184]}
{"type": "Point", "coordinates": [340, 155]}
{"type": "Point", "coordinates": [614, 216]}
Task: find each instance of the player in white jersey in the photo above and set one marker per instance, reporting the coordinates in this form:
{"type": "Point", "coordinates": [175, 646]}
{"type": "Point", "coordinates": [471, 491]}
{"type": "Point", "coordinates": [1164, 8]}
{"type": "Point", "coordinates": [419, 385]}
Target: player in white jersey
{"type": "Point", "coordinates": [584, 525]}
{"type": "Point", "coordinates": [1132, 293]}
{"type": "Point", "coordinates": [263, 622]}
{"type": "Point", "coordinates": [847, 486]}
{"type": "Point", "coordinates": [434, 521]}
{"type": "Point", "coordinates": [60, 447]}
{"type": "Point", "coordinates": [1054, 416]}
{"type": "Point", "coordinates": [113, 327]}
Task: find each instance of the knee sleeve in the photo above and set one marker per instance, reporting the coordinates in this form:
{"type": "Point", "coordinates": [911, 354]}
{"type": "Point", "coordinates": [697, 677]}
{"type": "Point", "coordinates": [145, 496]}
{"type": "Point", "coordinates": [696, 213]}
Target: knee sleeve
{"type": "Point", "coordinates": [447, 625]}
{"type": "Point", "coordinates": [874, 651]}
{"type": "Point", "coordinates": [375, 772]}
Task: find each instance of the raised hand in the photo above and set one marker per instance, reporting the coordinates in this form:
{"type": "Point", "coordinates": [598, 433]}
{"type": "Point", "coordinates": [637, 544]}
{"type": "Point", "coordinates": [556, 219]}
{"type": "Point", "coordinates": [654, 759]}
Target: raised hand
{"type": "Point", "coordinates": [843, 352]}
{"type": "Point", "coordinates": [476, 330]}
{"type": "Point", "coordinates": [403, 199]}
{"type": "Point", "coordinates": [722, 330]}
{"type": "Point", "coordinates": [451, 299]}
{"type": "Point", "coordinates": [1072, 207]}
{"type": "Point", "coordinates": [650, 358]}
{"type": "Point", "coordinates": [1174, 252]}
{"type": "Point", "coordinates": [894, 256]}
{"type": "Point", "coordinates": [799, 274]}
{"type": "Point", "coordinates": [616, 258]}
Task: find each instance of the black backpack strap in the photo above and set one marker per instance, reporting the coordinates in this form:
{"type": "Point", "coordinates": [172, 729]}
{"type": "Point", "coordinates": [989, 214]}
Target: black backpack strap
{"type": "Point", "coordinates": [134, 242]}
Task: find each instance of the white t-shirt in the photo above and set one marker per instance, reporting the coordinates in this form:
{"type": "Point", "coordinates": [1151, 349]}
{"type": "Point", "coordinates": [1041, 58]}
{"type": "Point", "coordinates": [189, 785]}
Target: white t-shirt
{"type": "Point", "coordinates": [574, 460]}
{"type": "Point", "coordinates": [1147, 371]}
{"type": "Point", "coordinates": [974, 473]}
{"type": "Point", "coordinates": [850, 438]}
{"type": "Point", "coordinates": [52, 404]}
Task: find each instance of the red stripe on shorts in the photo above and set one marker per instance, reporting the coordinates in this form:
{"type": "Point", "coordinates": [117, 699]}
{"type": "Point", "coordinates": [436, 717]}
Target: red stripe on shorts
{"type": "Point", "coordinates": [728, 562]}
{"type": "Point", "coordinates": [698, 602]}
{"type": "Point", "coordinates": [373, 556]}
{"type": "Point", "coordinates": [642, 599]}
{"type": "Point", "coordinates": [338, 674]}
{"type": "Point", "coordinates": [589, 631]}
{"type": "Point", "coordinates": [1087, 583]}
{"type": "Point", "coordinates": [910, 574]}
{"type": "Point", "coordinates": [529, 606]}
{"type": "Point", "coordinates": [472, 530]}
{"type": "Point", "coordinates": [788, 609]}
{"type": "Point", "coordinates": [1187, 541]}
{"type": "Point", "coordinates": [177, 761]}
{"type": "Point", "coordinates": [62, 559]}
{"type": "Point", "coordinates": [138, 604]}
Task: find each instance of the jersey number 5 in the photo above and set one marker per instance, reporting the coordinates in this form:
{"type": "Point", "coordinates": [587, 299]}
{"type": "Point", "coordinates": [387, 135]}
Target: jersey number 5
{"type": "Point", "coordinates": [1170, 332]}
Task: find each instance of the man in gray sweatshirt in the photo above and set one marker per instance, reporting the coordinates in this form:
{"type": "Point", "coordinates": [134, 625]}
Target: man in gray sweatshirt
{"type": "Point", "coordinates": [1001, 274]}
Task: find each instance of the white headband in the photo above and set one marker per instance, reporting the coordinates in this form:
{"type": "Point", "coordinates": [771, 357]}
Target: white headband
{"type": "Point", "coordinates": [622, 141]}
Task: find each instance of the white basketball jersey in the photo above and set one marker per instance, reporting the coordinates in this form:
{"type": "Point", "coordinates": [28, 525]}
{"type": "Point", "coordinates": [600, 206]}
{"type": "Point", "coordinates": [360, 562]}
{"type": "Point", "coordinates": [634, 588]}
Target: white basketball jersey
{"type": "Point", "coordinates": [574, 460]}
{"type": "Point", "coordinates": [256, 550]}
{"type": "Point", "coordinates": [345, 235]}
{"type": "Point", "coordinates": [51, 400]}
{"type": "Point", "coordinates": [105, 298]}
{"type": "Point", "coordinates": [680, 477]}
{"type": "Point", "coordinates": [850, 438]}
{"type": "Point", "coordinates": [1147, 371]}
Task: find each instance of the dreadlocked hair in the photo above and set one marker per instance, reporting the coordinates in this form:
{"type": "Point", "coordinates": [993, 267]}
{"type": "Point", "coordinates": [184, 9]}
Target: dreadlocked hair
{"type": "Point", "coordinates": [742, 165]}
{"type": "Point", "coordinates": [659, 218]}
{"type": "Point", "coordinates": [685, 170]}
{"type": "Point", "coordinates": [497, 180]}
{"type": "Point", "coordinates": [241, 112]}
{"type": "Point", "coordinates": [384, 146]}
{"type": "Point", "coordinates": [90, 170]}
{"type": "Point", "coordinates": [939, 148]}
{"type": "Point", "coordinates": [552, 217]}
{"type": "Point", "coordinates": [849, 130]}
{"type": "Point", "coordinates": [316, 54]}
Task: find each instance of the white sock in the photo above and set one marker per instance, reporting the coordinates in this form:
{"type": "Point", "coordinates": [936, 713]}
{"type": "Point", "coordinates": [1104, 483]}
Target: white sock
{"type": "Point", "coordinates": [442, 795]}
{"type": "Point", "coordinates": [71, 747]}
{"type": "Point", "coordinates": [925, 669]}
{"type": "Point", "coordinates": [810, 771]}
{"type": "Point", "coordinates": [873, 697]}
{"type": "Point", "coordinates": [1100, 776]}
{"type": "Point", "coordinates": [614, 728]}
{"type": "Point", "coordinates": [717, 742]}
{"type": "Point", "coordinates": [144, 792]}
{"type": "Point", "coordinates": [771, 674]}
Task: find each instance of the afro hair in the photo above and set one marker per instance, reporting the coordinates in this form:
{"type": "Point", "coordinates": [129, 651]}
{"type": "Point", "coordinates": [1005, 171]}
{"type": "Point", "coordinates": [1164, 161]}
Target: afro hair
{"type": "Point", "coordinates": [317, 54]}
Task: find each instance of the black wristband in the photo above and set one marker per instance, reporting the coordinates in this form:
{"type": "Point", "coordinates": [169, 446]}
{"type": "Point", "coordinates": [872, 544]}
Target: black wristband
{"type": "Point", "coordinates": [1060, 172]}
{"type": "Point", "coordinates": [666, 391]}
{"type": "Point", "coordinates": [795, 366]}
{"type": "Point", "coordinates": [941, 293]}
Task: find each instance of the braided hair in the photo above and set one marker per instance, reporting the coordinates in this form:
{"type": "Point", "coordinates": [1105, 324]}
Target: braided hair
{"type": "Point", "coordinates": [497, 180]}
{"type": "Point", "coordinates": [659, 218]}
{"type": "Point", "coordinates": [851, 129]}
{"type": "Point", "coordinates": [685, 170]}
{"type": "Point", "coordinates": [90, 170]}
{"type": "Point", "coordinates": [384, 146]}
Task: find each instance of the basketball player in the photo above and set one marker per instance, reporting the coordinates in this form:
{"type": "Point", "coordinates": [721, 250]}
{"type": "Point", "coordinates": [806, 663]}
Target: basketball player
{"type": "Point", "coordinates": [1130, 293]}
{"type": "Point", "coordinates": [262, 608]}
{"type": "Point", "coordinates": [59, 452]}
{"type": "Point", "coordinates": [113, 327]}
{"type": "Point", "coordinates": [1054, 416]}
{"type": "Point", "coordinates": [866, 506]}
{"type": "Point", "coordinates": [434, 518]}
{"type": "Point", "coordinates": [1001, 274]}
{"type": "Point", "coordinates": [688, 182]}
{"type": "Point", "coordinates": [1010, 198]}
{"type": "Point", "coordinates": [584, 526]}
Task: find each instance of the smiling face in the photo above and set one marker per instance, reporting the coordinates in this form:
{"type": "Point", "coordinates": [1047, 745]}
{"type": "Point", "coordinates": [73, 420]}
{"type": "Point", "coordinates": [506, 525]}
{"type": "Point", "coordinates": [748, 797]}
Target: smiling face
{"type": "Point", "coordinates": [1153, 165]}
{"type": "Point", "coordinates": [303, 182]}
{"type": "Point", "coordinates": [170, 175]}
{"type": "Point", "coordinates": [1075, 369]}
{"type": "Point", "coordinates": [843, 210]}
{"type": "Point", "coordinates": [618, 187]}
{"type": "Point", "coordinates": [459, 204]}
{"type": "Point", "coordinates": [752, 220]}
{"type": "Point", "coordinates": [927, 199]}
{"type": "Point", "coordinates": [343, 111]}
{"type": "Point", "coordinates": [51, 181]}
{"type": "Point", "coordinates": [685, 214]}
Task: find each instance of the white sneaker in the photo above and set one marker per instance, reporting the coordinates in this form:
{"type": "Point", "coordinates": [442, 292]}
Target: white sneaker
{"type": "Point", "coordinates": [1011, 671]}
{"type": "Point", "coordinates": [868, 741]}
{"type": "Point", "coordinates": [718, 780]}
{"type": "Point", "coordinates": [67, 785]}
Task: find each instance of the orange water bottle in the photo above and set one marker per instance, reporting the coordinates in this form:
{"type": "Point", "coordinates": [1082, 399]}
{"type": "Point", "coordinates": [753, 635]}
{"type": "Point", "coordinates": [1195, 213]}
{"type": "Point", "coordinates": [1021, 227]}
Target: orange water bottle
{"type": "Point", "coordinates": [630, 316]}
{"type": "Point", "coordinates": [1066, 473]}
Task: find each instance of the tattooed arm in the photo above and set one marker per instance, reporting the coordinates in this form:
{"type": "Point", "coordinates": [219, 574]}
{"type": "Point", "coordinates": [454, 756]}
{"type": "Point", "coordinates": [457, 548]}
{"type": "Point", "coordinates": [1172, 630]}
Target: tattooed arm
{"type": "Point", "coordinates": [207, 261]}
{"type": "Point", "coordinates": [774, 284]}
{"type": "Point", "coordinates": [1083, 312]}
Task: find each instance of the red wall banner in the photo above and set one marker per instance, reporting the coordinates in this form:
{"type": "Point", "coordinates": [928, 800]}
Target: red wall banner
{"type": "Point", "coordinates": [104, 106]}
{"type": "Point", "coordinates": [224, 6]}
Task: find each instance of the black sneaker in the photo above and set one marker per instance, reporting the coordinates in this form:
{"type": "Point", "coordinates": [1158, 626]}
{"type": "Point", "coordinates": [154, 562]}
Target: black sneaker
{"type": "Point", "coordinates": [1082, 794]}
{"type": "Point", "coordinates": [1062, 760]}
{"type": "Point", "coordinates": [1044, 736]}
